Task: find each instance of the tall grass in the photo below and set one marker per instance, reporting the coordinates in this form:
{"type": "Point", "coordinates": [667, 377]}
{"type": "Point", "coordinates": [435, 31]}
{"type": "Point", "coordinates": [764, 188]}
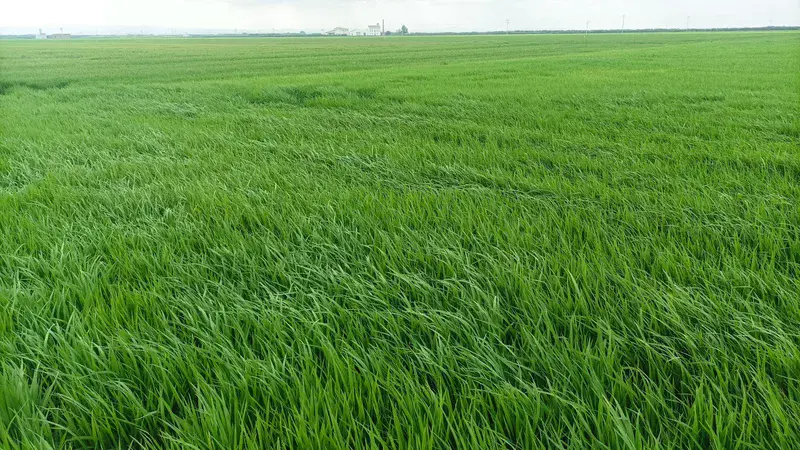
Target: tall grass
{"type": "Point", "coordinates": [462, 242]}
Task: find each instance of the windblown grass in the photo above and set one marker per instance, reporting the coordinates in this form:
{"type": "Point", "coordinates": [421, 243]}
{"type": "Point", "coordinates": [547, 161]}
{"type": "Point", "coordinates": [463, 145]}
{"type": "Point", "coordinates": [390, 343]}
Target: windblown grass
{"type": "Point", "coordinates": [463, 242]}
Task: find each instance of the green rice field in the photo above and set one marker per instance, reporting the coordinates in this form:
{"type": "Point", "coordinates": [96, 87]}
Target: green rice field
{"type": "Point", "coordinates": [462, 242]}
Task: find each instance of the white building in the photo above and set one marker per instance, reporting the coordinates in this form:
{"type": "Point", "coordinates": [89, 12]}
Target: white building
{"type": "Point", "coordinates": [41, 35]}
{"type": "Point", "coordinates": [355, 32]}
{"type": "Point", "coordinates": [338, 31]}
{"type": "Point", "coordinates": [373, 30]}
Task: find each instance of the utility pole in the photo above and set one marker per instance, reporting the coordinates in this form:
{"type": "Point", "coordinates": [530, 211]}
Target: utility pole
{"type": "Point", "coordinates": [623, 23]}
{"type": "Point", "coordinates": [587, 28]}
{"type": "Point", "coordinates": [507, 23]}
{"type": "Point", "coordinates": [687, 22]}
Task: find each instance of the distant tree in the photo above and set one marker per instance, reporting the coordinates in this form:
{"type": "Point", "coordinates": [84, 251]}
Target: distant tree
{"type": "Point", "coordinates": [388, 33]}
{"type": "Point", "coordinates": [403, 30]}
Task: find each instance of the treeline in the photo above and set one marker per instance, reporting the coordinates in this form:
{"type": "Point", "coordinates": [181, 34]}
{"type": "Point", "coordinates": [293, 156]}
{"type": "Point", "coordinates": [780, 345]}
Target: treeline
{"type": "Point", "coordinates": [640, 30]}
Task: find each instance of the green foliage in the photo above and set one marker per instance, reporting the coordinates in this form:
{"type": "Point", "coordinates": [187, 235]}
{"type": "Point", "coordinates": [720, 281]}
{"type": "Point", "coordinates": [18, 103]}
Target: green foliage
{"type": "Point", "coordinates": [440, 242]}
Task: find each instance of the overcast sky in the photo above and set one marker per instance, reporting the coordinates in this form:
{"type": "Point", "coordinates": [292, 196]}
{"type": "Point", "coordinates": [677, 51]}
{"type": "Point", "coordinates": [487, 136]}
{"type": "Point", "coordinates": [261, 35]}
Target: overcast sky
{"type": "Point", "coordinates": [83, 16]}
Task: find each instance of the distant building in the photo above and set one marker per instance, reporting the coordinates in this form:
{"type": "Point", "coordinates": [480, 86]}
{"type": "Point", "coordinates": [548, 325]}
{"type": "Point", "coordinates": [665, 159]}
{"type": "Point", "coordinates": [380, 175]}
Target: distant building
{"type": "Point", "coordinates": [356, 32]}
{"type": "Point", "coordinates": [373, 30]}
{"type": "Point", "coordinates": [61, 36]}
{"type": "Point", "coordinates": [41, 35]}
{"type": "Point", "coordinates": [338, 31]}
